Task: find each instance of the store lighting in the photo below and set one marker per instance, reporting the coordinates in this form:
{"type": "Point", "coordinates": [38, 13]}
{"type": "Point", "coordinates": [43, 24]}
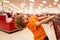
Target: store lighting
{"type": "Point", "coordinates": [31, 9]}
{"type": "Point", "coordinates": [26, 10]}
{"type": "Point", "coordinates": [22, 5]}
{"type": "Point", "coordinates": [56, 0]}
{"type": "Point", "coordinates": [44, 2]}
{"type": "Point", "coordinates": [15, 7]}
{"type": "Point", "coordinates": [6, 1]}
{"type": "Point", "coordinates": [0, 3]}
{"type": "Point", "coordinates": [58, 5]}
{"type": "Point", "coordinates": [50, 5]}
{"type": "Point", "coordinates": [11, 4]}
{"type": "Point", "coordinates": [32, 0]}
{"type": "Point", "coordinates": [31, 4]}
{"type": "Point", "coordinates": [55, 3]}
{"type": "Point", "coordinates": [46, 7]}
{"type": "Point", "coordinates": [41, 5]}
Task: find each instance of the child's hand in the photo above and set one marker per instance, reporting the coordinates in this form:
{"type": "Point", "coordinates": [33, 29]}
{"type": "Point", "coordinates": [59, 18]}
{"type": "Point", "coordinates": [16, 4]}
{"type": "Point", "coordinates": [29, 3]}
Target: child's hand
{"type": "Point", "coordinates": [37, 23]}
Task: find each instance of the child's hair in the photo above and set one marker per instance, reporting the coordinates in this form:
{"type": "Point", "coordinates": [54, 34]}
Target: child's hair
{"type": "Point", "coordinates": [19, 22]}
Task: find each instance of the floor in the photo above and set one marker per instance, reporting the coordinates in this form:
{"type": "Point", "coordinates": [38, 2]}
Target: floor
{"type": "Point", "coordinates": [27, 34]}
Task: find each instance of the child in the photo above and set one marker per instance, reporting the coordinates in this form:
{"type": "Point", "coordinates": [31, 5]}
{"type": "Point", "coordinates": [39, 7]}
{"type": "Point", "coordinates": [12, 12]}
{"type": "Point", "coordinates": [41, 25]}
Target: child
{"type": "Point", "coordinates": [33, 24]}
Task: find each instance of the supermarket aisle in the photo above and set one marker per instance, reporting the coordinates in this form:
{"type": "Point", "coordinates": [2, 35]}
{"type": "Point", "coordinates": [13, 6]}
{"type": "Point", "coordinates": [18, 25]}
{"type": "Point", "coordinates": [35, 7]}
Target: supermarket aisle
{"type": "Point", "coordinates": [26, 34]}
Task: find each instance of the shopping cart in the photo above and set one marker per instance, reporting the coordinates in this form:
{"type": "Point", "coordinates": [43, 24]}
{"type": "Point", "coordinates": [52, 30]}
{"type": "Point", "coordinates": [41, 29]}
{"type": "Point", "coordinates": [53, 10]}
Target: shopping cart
{"type": "Point", "coordinates": [56, 24]}
{"type": "Point", "coordinates": [7, 27]}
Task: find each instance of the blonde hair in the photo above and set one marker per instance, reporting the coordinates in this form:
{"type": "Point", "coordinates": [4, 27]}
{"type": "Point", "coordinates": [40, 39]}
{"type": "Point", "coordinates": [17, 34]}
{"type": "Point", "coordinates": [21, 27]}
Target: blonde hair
{"type": "Point", "coordinates": [19, 22]}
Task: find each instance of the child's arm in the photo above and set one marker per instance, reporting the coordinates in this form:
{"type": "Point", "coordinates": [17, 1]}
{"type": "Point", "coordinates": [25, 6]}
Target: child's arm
{"type": "Point", "coordinates": [42, 21]}
{"type": "Point", "coordinates": [43, 17]}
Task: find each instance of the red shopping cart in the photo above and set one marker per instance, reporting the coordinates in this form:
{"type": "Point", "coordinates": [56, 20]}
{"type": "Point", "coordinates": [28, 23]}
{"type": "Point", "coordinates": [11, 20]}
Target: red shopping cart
{"type": "Point", "coordinates": [56, 24]}
{"type": "Point", "coordinates": [7, 27]}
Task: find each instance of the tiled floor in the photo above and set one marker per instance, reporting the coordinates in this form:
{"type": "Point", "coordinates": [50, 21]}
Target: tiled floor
{"type": "Point", "coordinates": [26, 34]}
{"type": "Point", "coordinates": [49, 31]}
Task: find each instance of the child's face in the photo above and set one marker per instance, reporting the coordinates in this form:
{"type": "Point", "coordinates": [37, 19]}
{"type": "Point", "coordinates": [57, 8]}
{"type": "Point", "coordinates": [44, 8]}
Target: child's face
{"type": "Point", "coordinates": [25, 19]}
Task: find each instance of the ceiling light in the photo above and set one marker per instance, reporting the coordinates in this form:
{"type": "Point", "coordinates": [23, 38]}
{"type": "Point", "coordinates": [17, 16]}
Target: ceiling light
{"type": "Point", "coordinates": [0, 3]}
{"type": "Point", "coordinates": [55, 3]}
{"type": "Point", "coordinates": [31, 6]}
{"type": "Point", "coordinates": [41, 5]}
{"type": "Point", "coordinates": [56, 0]}
{"type": "Point", "coordinates": [31, 3]}
{"type": "Point", "coordinates": [58, 5]}
{"type": "Point", "coordinates": [50, 5]}
{"type": "Point", "coordinates": [22, 3]}
{"type": "Point", "coordinates": [11, 4]}
{"type": "Point", "coordinates": [44, 2]}
{"type": "Point", "coordinates": [32, 0]}
{"type": "Point", "coordinates": [6, 1]}
{"type": "Point", "coordinates": [46, 7]}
